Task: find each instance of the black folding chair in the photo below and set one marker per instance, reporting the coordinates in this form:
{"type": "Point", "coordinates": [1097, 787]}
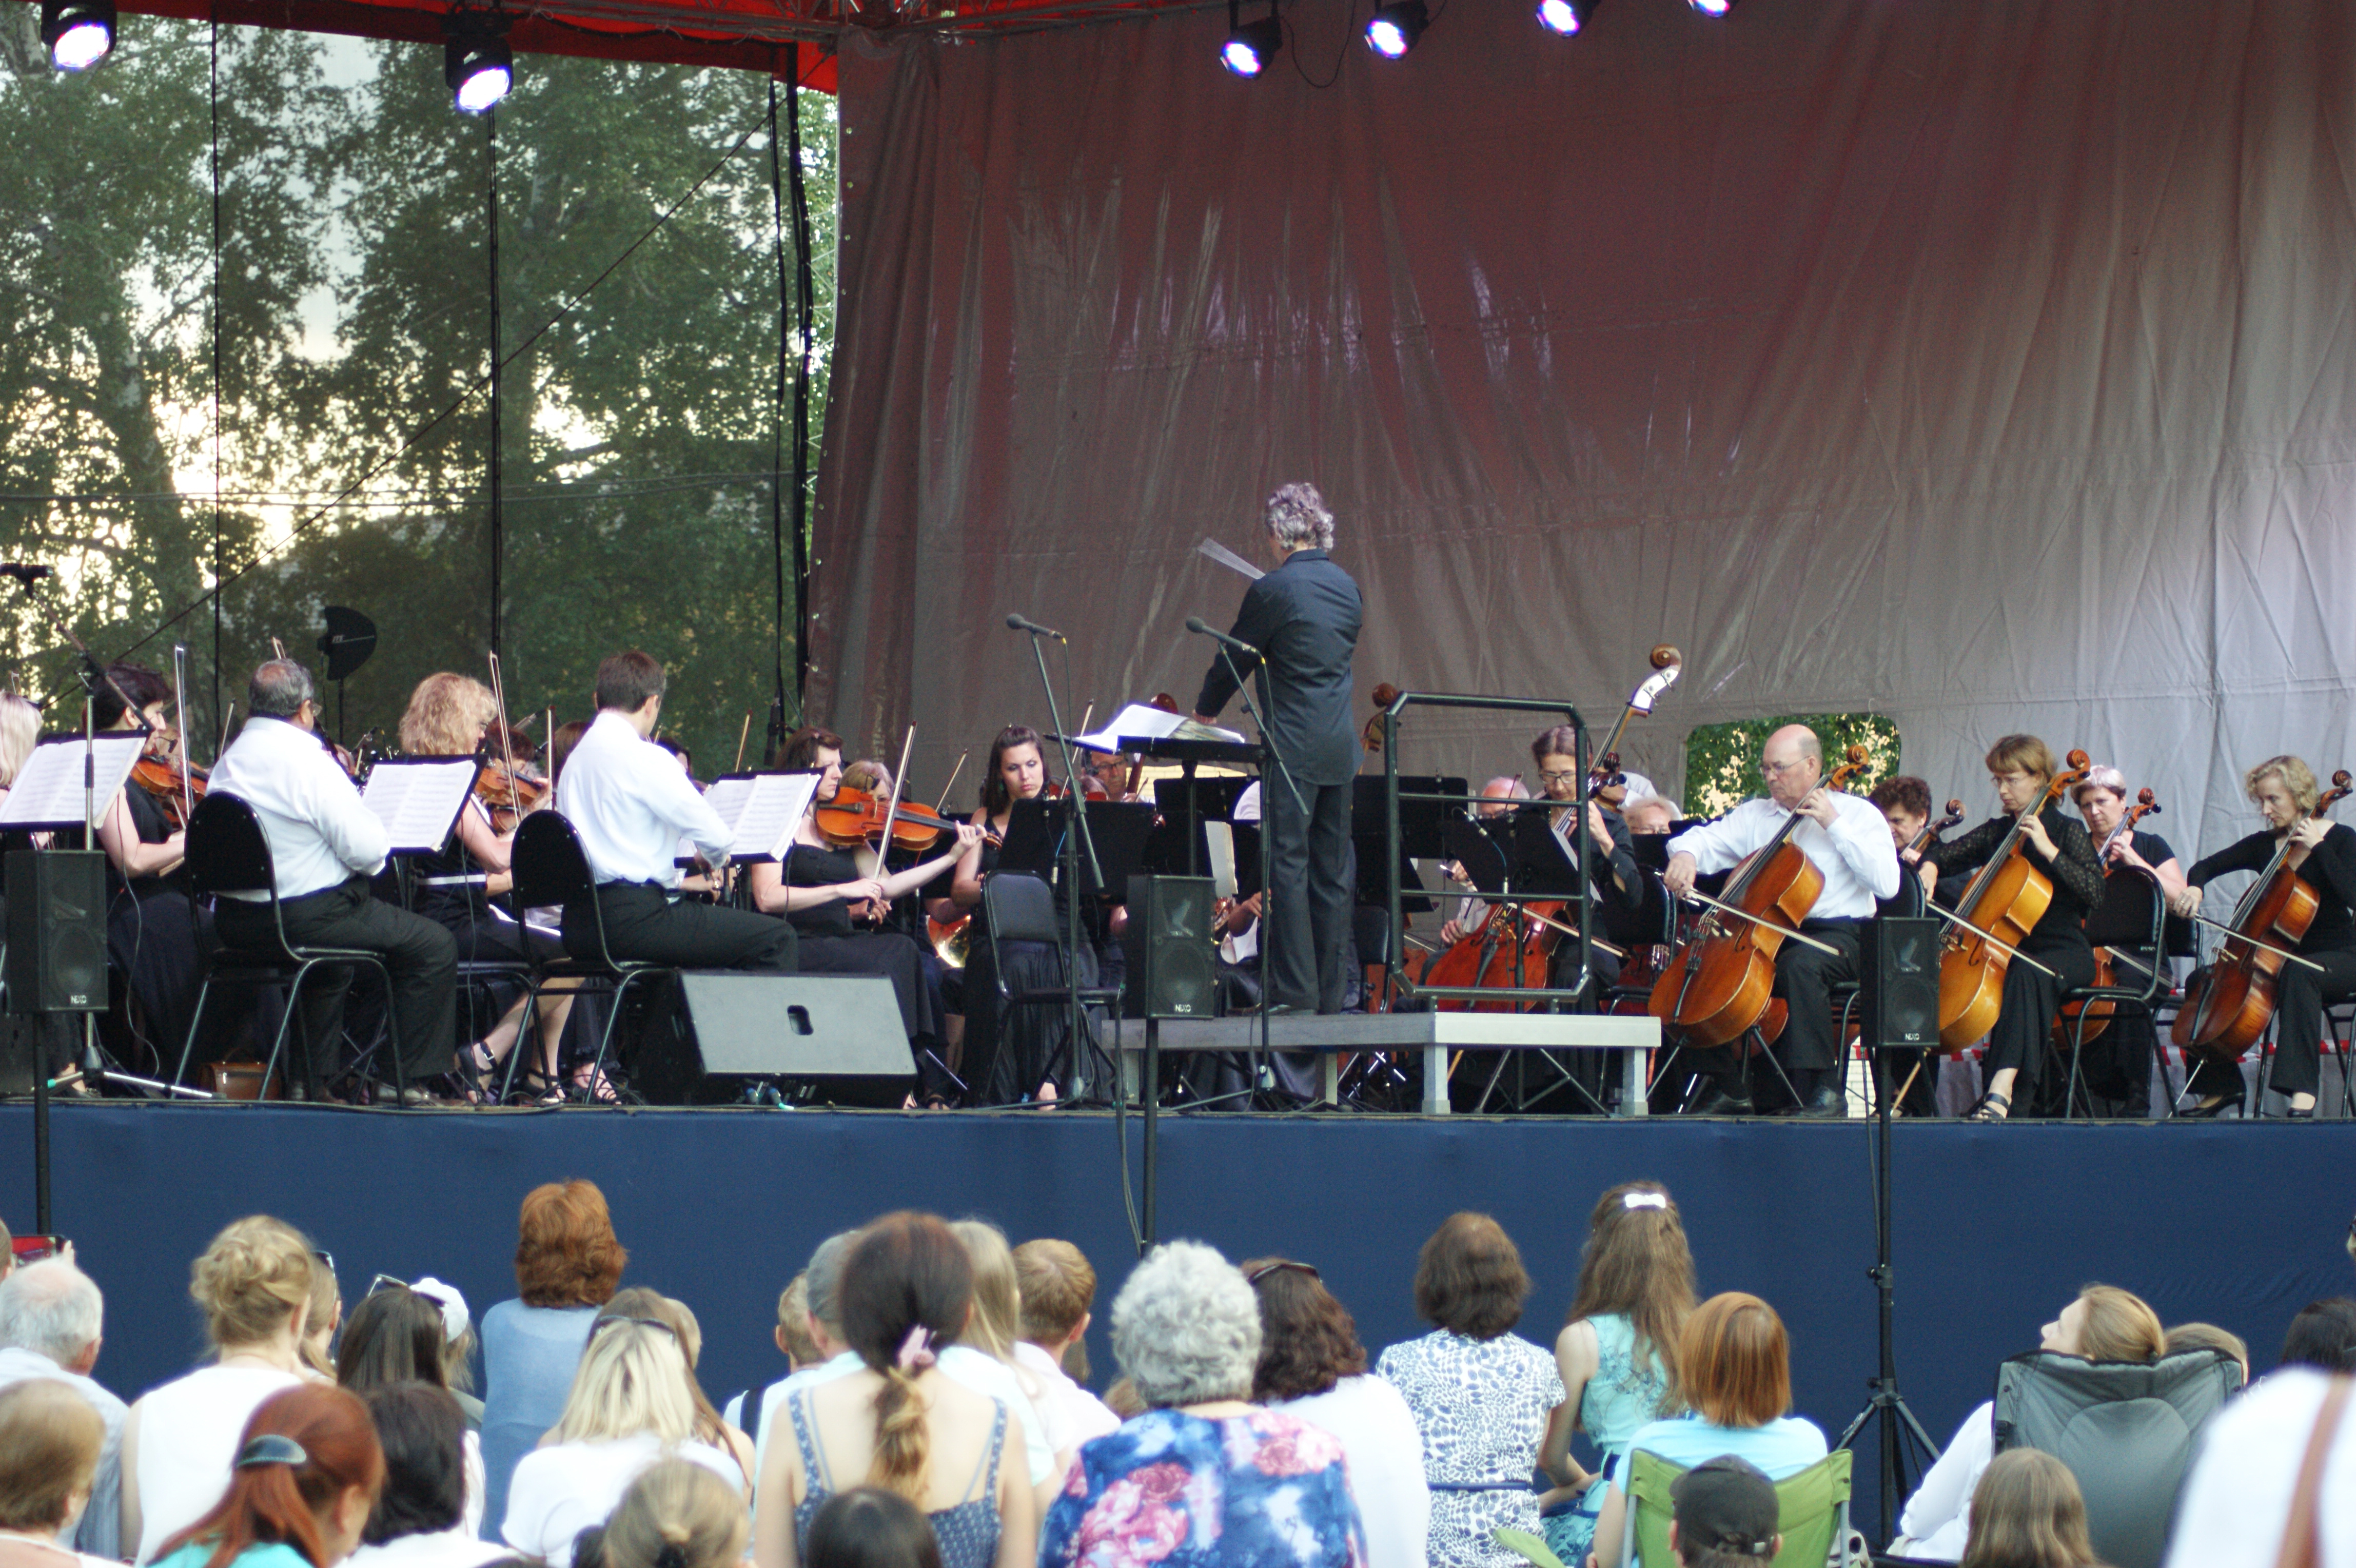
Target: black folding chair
{"type": "Point", "coordinates": [1018, 907]}
{"type": "Point", "coordinates": [227, 853]}
{"type": "Point", "coordinates": [2128, 990]}
{"type": "Point", "coordinates": [550, 870]}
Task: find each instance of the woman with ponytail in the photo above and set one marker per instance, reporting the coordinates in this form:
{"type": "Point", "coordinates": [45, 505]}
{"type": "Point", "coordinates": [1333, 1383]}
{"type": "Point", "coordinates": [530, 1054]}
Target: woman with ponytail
{"type": "Point", "coordinates": [306, 1473]}
{"type": "Point", "coordinates": [901, 1423]}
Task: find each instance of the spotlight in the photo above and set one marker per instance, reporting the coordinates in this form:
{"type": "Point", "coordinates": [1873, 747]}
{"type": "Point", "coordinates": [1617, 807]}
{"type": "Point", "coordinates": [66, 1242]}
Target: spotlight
{"type": "Point", "coordinates": [1251, 44]}
{"type": "Point", "coordinates": [476, 63]}
{"type": "Point", "coordinates": [78, 33]}
{"type": "Point", "coordinates": [1395, 27]}
{"type": "Point", "coordinates": [1566, 16]}
{"type": "Point", "coordinates": [1713, 7]}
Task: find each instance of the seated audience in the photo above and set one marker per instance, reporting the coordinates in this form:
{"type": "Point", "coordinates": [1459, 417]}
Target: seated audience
{"type": "Point", "coordinates": [629, 1406]}
{"type": "Point", "coordinates": [1480, 1394]}
{"type": "Point", "coordinates": [2209, 1337]}
{"type": "Point", "coordinates": [643, 1303]}
{"type": "Point", "coordinates": [2104, 1324]}
{"type": "Point", "coordinates": [304, 1476]}
{"type": "Point", "coordinates": [324, 1317]}
{"type": "Point", "coordinates": [2246, 1485]}
{"type": "Point", "coordinates": [2323, 1336]}
{"type": "Point", "coordinates": [1722, 1514]}
{"type": "Point", "coordinates": [2026, 1512]}
{"type": "Point", "coordinates": [678, 1515]}
{"type": "Point", "coordinates": [1058, 1286]}
{"type": "Point", "coordinates": [822, 1321]}
{"type": "Point", "coordinates": [420, 1517]}
{"type": "Point", "coordinates": [1203, 1476]}
{"type": "Point", "coordinates": [567, 1263]}
{"type": "Point", "coordinates": [457, 1345]}
{"type": "Point", "coordinates": [983, 1357]}
{"type": "Point", "coordinates": [50, 1440]}
{"type": "Point", "coordinates": [1734, 1364]}
{"type": "Point", "coordinates": [254, 1284]}
{"type": "Point", "coordinates": [900, 1422]}
{"type": "Point", "coordinates": [1121, 1397]}
{"type": "Point", "coordinates": [1312, 1364]}
{"type": "Point", "coordinates": [792, 1338]}
{"type": "Point", "coordinates": [396, 1335]}
{"type": "Point", "coordinates": [868, 1527]}
{"type": "Point", "coordinates": [52, 1321]}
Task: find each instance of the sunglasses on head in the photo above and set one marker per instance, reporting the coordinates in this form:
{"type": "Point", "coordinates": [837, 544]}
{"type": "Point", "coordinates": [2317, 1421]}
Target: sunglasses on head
{"type": "Point", "coordinates": [603, 1324]}
{"type": "Point", "coordinates": [1265, 1270]}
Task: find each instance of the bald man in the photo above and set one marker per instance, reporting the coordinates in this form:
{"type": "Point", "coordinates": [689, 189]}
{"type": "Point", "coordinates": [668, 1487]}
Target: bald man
{"type": "Point", "coordinates": [1847, 839]}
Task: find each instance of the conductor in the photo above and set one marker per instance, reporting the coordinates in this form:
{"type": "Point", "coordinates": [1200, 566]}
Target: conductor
{"type": "Point", "coordinates": [1303, 618]}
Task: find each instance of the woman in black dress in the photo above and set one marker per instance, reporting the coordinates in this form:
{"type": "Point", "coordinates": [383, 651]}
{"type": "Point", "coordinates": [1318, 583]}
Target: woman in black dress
{"type": "Point", "coordinates": [150, 936]}
{"type": "Point", "coordinates": [2323, 856]}
{"type": "Point", "coordinates": [2138, 868]}
{"type": "Point", "coordinates": [2021, 766]}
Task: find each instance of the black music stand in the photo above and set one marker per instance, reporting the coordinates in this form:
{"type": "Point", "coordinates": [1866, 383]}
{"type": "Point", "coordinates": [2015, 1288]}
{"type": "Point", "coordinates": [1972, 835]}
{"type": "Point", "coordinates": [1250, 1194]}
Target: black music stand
{"type": "Point", "coordinates": [1035, 842]}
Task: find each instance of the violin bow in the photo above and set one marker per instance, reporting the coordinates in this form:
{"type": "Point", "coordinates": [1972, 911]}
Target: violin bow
{"type": "Point", "coordinates": [507, 741]}
{"type": "Point", "coordinates": [892, 809]}
{"type": "Point", "coordinates": [742, 737]}
{"type": "Point", "coordinates": [1696, 897]}
{"type": "Point", "coordinates": [180, 706]}
{"type": "Point", "coordinates": [952, 783]}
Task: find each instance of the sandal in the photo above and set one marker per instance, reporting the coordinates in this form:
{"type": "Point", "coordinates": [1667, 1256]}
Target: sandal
{"type": "Point", "coordinates": [477, 1069]}
{"type": "Point", "coordinates": [594, 1088]}
{"type": "Point", "coordinates": [1992, 1107]}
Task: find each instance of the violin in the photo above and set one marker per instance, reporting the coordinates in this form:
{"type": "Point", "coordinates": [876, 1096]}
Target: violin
{"type": "Point", "coordinates": [2006, 899]}
{"type": "Point", "coordinates": [2098, 1013]}
{"type": "Point", "coordinates": [2227, 1005]}
{"type": "Point", "coordinates": [1091, 789]}
{"type": "Point", "coordinates": [175, 788]}
{"type": "Point", "coordinates": [510, 792]}
{"type": "Point", "coordinates": [855, 817]}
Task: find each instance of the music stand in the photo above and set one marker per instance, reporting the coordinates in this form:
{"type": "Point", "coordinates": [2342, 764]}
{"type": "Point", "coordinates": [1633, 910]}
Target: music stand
{"type": "Point", "coordinates": [1034, 842]}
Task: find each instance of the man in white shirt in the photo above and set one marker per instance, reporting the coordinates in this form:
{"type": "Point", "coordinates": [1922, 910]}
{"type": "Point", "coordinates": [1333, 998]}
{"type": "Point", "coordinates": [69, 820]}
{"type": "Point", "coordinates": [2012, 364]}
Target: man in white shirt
{"type": "Point", "coordinates": [324, 845]}
{"type": "Point", "coordinates": [51, 1323]}
{"type": "Point", "coordinates": [630, 803]}
{"type": "Point", "coordinates": [1847, 839]}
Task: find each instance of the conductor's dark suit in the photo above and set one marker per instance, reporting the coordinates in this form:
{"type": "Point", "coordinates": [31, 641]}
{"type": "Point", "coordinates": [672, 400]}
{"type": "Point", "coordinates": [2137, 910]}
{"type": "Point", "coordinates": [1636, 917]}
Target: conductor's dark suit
{"type": "Point", "coordinates": [1303, 616]}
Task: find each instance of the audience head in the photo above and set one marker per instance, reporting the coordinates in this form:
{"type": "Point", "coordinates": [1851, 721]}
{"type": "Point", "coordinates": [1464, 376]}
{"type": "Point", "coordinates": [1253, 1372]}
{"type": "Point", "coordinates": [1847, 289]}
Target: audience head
{"type": "Point", "coordinates": [588, 1547]}
{"type": "Point", "coordinates": [2026, 1512]}
{"type": "Point", "coordinates": [2107, 1324]}
{"type": "Point", "coordinates": [1307, 1341]}
{"type": "Point", "coordinates": [423, 1434]}
{"type": "Point", "coordinates": [1723, 1514]}
{"type": "Point", "coordinates": [997, 1319]}
{"type": "Point", "coordinates": [395, 1335]}
{"type": "Point", "coordinates": [1469, 1279]}
{"type": "Point", "coordinates": [655, 1306]}
{"type": "Point", "coordinates": [633, 1378]}
{"type": "Point", "coordinates": [1058, 1287]}
{"type": "Point", "coordinates": [678, 1514]}
{"type": "Point", "coordinates": [1636, 1263]}
{"type": "Point", "coordinates": [326, 1315]}
{"type": "Point", "coordinates": [566, 1253]}
{"type": "Point", "coordinates": [253, 1283]}
{"type": "Point", "coordinates": [905, 1294]}
{"type": "Point", "coordinates": [50, 1438]}
{"type": "Point", "coordinates": [53, 1309]}
{"type": "Point", "coordinates": [868, 1527]}
{"type": "Point", "coordinates": [1187, 1328]}
{"type": "Point", "coordinates": [307, 1472]}
{"type": "Point", "coordinates": [1734, 1361]}
{"type": "Point", "coordinates": [2323, 1336]}
{"type": "Point", "coordinates": [824, 1282]}
{"type": "Point", "coordinates": [1123, 1401]}
{"type": "Point", "coordinates": [793, 1325]}
{"type": "Point", "coordinates": [457, 1329]}
{"type": "Point", "coordinates": [2209, 1337]}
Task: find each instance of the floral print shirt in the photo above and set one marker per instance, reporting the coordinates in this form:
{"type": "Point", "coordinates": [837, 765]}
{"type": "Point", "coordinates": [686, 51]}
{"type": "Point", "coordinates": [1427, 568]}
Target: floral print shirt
{"type": "Point", "coordinates": [1265, 1489]}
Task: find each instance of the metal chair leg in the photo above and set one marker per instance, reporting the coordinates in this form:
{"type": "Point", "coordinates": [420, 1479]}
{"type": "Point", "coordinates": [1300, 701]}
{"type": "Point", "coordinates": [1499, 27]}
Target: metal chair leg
{"type": "Point", "coordinates": [197, 1023]}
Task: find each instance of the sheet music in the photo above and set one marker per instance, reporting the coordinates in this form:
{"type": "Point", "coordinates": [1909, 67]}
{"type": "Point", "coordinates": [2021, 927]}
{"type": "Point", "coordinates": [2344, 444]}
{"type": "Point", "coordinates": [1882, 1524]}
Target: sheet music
{"type": "Point", "coordinates": [1139, 721]}
{"type": "Point", "coordinates": [418, 799]}
{"type": "Point", "coordinates": [1219, 838]}
{"type": "Point", "coordinates": [761, 809]}
{"type": "Point", "coordinates": [48, 788]}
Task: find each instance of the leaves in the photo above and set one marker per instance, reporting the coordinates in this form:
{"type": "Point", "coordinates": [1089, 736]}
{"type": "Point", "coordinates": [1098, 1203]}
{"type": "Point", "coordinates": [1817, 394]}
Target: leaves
{"type": "Point", "coordinates": [1722, 760]}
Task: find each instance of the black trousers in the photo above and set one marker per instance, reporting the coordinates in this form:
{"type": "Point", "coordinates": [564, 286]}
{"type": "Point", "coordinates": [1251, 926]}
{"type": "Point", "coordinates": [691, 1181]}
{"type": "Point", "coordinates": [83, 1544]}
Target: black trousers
{"type": "Point", "coordinates": [644, 924]}
{"type": "Point", "coordinates": [419, 956]}
{"type": "Point", "coordinates": [2300, 996]}
{"type": "Point", "coordinates": [2022, 1038]}
{"type": "Point", "coordinates": [1310, 891]}
{"type": "Point", "coordinates": [1804, 978]}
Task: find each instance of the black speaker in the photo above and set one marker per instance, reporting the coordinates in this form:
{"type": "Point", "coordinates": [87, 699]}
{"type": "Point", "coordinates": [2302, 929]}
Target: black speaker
{"type": "Point", "coordinates": [57, 931]}
{"type": "Point", "coordinates": [844, 1029]}
{"type": "Point", "coordinates": [1173, 960]}
{"type": "Point", "coordinates": [1900, 983]}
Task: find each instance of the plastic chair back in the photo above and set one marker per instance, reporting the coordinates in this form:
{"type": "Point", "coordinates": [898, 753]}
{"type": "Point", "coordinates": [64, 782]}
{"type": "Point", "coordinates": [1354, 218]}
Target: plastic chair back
{"type": "Point", "coordinates": [548, 863]}
{"type": "Point", "coordinates": [1812, 1510]}
{"type": "Point", "coordinates": [1021, 909]}
{"type": "Point", "coordinates": [227, 850]}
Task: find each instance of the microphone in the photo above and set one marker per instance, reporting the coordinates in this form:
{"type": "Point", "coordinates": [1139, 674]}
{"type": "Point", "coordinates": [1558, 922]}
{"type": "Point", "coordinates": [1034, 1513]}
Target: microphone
{"type": "Point", "coordinates": [1197, 624]}
{"type": "Point", "coordinates": [1017, 623]}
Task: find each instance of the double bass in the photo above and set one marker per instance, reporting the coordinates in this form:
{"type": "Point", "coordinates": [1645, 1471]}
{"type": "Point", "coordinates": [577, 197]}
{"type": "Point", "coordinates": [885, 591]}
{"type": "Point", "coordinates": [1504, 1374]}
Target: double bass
{"type": "Point", "coordinates": [2098, 1014]}
{"type": "Point", "coordinates": [2004, 900]}
{"type": "Point", "coordinates": [2226, 1005]}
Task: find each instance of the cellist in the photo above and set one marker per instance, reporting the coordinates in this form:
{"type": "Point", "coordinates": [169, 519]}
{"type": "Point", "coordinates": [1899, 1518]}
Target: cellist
{"type": "Point", "coordinates": [1848, 843]}
{"type": "Point", "coordinates": [2137, 866]}
{"type": "Point", "coordinates": [2323, 856]}
{"type": "Point", "coordinates": [2021, 767]}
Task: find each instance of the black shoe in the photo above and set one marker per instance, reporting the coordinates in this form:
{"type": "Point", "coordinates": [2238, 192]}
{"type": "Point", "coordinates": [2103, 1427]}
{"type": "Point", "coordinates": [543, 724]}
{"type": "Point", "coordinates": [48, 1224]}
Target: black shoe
{"type": "Point", "coordinates": [1825, 1100]}
{"type": "Point", "coordinates": [2200, 1112]}
{"type": "Point", "coordinates": [1720, 1102]}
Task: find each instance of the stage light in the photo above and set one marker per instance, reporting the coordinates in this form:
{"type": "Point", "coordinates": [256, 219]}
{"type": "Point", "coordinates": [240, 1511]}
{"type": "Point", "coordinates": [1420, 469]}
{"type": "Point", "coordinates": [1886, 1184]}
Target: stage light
{"type": "Point", "coordinates": [1565, 16]}
{"type": "Point", "coordinates": [1713, 7]}
{"type": "Point", "coordinates": [1251, 44]}
{"type": "Point", "coordinates": [1395, 27]}
{"type": "Point", "coordinates": [476, 63]}
{"type": "Point", "coordinates": [78, 33]}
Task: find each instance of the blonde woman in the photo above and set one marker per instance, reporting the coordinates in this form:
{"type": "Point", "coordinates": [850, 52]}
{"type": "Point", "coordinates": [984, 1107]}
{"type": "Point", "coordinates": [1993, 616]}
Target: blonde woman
{"type": "Point", "coordinates": [710, 1427]}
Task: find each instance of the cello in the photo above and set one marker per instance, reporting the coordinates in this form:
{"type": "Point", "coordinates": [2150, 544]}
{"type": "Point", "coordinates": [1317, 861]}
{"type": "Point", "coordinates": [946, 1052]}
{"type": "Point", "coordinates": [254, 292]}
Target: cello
{"type": "Point", "coordinates": [2226, 1007]}
{"type": "Point", "coordinates": [2098, 1013]}
{"type": "Point", "coordinates": [2006, 898]}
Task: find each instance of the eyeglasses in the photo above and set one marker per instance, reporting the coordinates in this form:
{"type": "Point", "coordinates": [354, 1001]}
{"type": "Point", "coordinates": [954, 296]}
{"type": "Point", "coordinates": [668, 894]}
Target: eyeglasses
{"type": "Point", "coordinates": [603, 1324]}
{"type": "Point", "coordinates": [1282, 1265]}
{"type": "Point", "coordinates": [1777, 769]}
{"type": "Point", "coordinates": [1549, 777]}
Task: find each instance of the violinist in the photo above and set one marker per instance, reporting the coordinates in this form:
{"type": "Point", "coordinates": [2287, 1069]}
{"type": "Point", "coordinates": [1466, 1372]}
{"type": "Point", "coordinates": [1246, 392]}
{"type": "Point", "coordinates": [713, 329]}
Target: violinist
{"type": "Point", "coordinates": [2322, 855]}
{"type": "Point", "coordinates": [1849, 843]}
{"type": "Point", "coordinates": [150, 936]}
{"type": "Point", "coordinates": [2137, 866]}
{"type": "Point", "coordinates": [2021, 767]}
{"type": "Point", "coordinates": [1617, 884]}
{"type": "Point", "coordinates": [1109, 770]}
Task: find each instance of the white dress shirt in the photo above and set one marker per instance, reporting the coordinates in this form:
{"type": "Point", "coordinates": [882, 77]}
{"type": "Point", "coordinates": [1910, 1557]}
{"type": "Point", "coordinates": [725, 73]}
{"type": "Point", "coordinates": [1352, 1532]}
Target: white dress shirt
{"type": "Point", "coordinates": [1858, 861]}
{"type": "Point", "coordinates": [320, 835]}
{"type": "Point", "coordinates": [1072, 1414]}
{"type": "Point", "coordinates": [631, 802]}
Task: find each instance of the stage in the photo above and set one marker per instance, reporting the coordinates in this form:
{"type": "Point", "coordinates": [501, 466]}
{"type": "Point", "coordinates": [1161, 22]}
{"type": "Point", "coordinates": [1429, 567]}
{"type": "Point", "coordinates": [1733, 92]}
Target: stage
{"type": "Point", "coordinates": [1995, 1227]}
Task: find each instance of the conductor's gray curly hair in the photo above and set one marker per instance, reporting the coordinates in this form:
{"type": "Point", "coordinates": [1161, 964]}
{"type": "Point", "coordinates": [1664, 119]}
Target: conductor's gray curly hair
{"type": "Point", "coordinates": [1186, 1327]}
{"type": "Point", "coordinates": [1296, 518]}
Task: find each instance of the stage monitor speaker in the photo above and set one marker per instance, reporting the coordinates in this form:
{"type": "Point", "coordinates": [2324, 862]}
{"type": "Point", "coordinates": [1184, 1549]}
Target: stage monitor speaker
{"type": "Point", "coordinates": [1900, 990]}
{"type": "Point", "coordinates": [57, 931]}
{"type": "Point", "coordinates": [1173, 956]}
{"type": "Point", "coordinates": [842, 1029]}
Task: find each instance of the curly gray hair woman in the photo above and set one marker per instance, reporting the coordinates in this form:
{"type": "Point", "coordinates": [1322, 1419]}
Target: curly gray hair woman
{"type": "Point", "coordinates": [1186, 1327]}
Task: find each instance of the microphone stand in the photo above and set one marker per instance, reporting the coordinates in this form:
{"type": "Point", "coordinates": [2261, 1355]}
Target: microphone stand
{"type": "Point", "coordinates": [1076, 814]}
{"type": "Point", "coordinates": [1267, 883]}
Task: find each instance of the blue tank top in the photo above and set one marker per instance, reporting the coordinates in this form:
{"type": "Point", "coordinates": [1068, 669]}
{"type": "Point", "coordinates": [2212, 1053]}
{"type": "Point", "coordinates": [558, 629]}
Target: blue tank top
{"type": "Point", "coordinates": [968, 1532]}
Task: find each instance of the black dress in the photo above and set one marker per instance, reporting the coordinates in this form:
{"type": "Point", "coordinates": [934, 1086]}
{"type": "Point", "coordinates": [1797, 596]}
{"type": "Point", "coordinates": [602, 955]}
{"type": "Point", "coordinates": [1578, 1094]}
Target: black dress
{"type": "Point", "coordinates": [2116, 1064]}
{"type": "Point", "coordinates": [830, 945]}
{"type": "Point", "coordinates": [152, 942]}
{"type": "Point", "coordinates": [1010, 1052]}
{"type": "Point", "coordinates": [2300, 994]}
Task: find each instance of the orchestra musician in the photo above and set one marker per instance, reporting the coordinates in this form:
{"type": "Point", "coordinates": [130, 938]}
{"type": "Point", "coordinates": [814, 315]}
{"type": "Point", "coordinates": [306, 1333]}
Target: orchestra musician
{"type": "Point", "coordinates": [150, 937]}
{"type": "Point", "coordinates": [1848, 843]}
{"type": "Point", "coordinates": [1303, 618]}
{"type": "Point", "coordinates": [325, 846]}
{"type": "Point", "coordinates": [2021, 766]}
{"type": "Point", "coordinates": [1650, 816]}
{"type": "Point", "coordinates": [1496, 804]}
{"type": "Point", "coordinates": [2322, 855]}
{"type": "Point", "coordinates": [1905, 802]}
{"type": "Point", "coordinates": [1614, 878]}
{"type": "Point", "coordinates": [2133, 862]}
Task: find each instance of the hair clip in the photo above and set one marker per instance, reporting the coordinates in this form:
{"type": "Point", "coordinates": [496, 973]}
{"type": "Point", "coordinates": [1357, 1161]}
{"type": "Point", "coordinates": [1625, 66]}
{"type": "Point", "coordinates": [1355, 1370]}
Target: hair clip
{"type": "Point", "coordinates": [271, 1448]}
{"type": "Point", "coordinates": [916, 1349]}
{"type": "Point", "coordinates": [1644, 1200]}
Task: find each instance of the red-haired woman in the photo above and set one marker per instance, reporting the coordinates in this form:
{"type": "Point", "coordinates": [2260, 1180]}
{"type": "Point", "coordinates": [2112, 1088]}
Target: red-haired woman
{"type": "Point", "coordinates": [307, 1471]}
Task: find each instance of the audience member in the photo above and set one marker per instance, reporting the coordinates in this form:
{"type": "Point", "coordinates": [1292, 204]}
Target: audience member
{"type": "Point", "coordinates": [52, 1321]}
{"type": "Point", "coordinates": [1734, 1368]}
{"type": "Point", "coordinates": [2323, 1336]}
{"type": "Point", "coordinates": [710, 1427]}
{"type": "Point", "coordinates": [2103, 1324]}
{"type": "Point", "coordinates": [50, 1440]}
{"type": "Point", "coordinates": [420, 1518]}
{"type": "Point", "coordinates": [1057, 1288]}
{"type": "Point", "coordinates": [1481, 1393]}
{"type": "Point", "coordinates": [1617, 1352]}
{"type": "Point", "coordinates": [822, 1287]}
{"type": "Point", "coordinates": [900, 1422]}
{"type": "Point", "coordinates": [303, 1478]}
{"type": "Point", "coordinates": [397, 1335]}
{"type": "Point", "coordinates": [254, 1284]}
{"type": "Point", "coordinates": [2209, 1337]}
{"type": "Point", "coordinates": [2248, 1483]}
{"type": "Point", "coordinates": [1202, 1472]}
{"type": "Point", "coordinates": [629, 1406]}
{"type": "Point", "coordinates": [1121, 1397]}
{"type": "Point", "coordinates": [1722, 1514]}
{"type": "Point", "coordinates": [792, 1338]}
{"type": "Point", "coordinates": [1312, 1364]}
{"type": "Point", "coordinates": [567, 1263]}
{"type": "Point", "coordinates": [982, 1359]}
{"type": "Point", "coordinates": [2026, 1512]}
{"type": "Point", "coordinates": [457, 1345]}
{"type": "Point", "coordinates": [324, 1317]}
{"type": "Point", "coordinates": [868, 1527]}
{"type": "Point", "coordinates": [678, 1515]}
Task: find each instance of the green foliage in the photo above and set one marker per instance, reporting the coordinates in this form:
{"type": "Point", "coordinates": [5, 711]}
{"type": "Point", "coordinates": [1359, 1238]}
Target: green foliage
{"type": "Point", "coordinates": [1722, 760]}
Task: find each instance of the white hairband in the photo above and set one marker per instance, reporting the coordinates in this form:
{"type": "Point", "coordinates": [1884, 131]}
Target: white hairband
{"type": "Point", "coordinates": [1644, 1200]}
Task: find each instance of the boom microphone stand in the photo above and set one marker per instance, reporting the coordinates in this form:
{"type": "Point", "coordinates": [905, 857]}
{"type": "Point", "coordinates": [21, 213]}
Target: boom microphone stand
{"type": "Point", "coordinates": [1076, 817]}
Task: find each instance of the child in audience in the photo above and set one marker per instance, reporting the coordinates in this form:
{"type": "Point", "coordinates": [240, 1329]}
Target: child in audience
{"type": "Point", "coordinates": [2323, 1336]}
{"type": "Point", "coordinates": [678, 1515]}
{"type": "Point", "coordinates": [2209, 1337]}
{"type": "Point", "coordinates": [325, 1316]}
{"type": "Point", "coordinates": [1058, 1287]}
{"type": "Point", "coordinates": [868, 1527]}
{"type": "Point", "coordinates": [2026, 1512]}
{"type": "Point", "coordinates": [1722, 1514]}
{"type": "Point", "coordinates": [420, 1518]}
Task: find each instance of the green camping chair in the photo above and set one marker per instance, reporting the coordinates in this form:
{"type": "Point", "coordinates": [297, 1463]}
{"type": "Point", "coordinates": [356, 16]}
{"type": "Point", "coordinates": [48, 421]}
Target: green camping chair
{"type": "Point", "coordinates": [1812, 1514]}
